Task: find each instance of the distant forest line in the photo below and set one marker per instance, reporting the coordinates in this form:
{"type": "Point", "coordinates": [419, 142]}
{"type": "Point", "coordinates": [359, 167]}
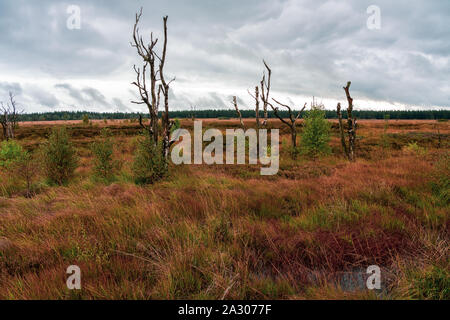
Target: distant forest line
{"type": "Point", "coordinates": [231, 114]}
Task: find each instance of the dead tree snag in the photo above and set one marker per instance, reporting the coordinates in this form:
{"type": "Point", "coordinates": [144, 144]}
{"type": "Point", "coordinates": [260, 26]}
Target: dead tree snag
{"type": "Point", "coordinates": [292, 119]}
{"type": "Point", "coordinates": [265, 90]}
{"type": "Point", "coordinates": [158, 84]}
{"type": "Point", "coordinates": [351, 126]}
{"type": "Point", "coordinates": [9, 117]}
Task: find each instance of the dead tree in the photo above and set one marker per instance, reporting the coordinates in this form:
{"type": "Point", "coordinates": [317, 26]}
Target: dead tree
{"type": "Point", "coordinates": [258, 123]}
{"type": "Point", "coordinates": [265, 90]}
{"type": "Point", "coordinates": [256, 97]}
{"type": "Point", "coordinates": [292, 119]}
{"type": "Point", "coordinates": [9, 117]}
{"type": "Point", "coordinates": [341, 129]}
{"type": "Point", "coordinates": [351, 126]}
{"type": "Point", "coordinates": [263, 94]}
{"type": "Point", "coordinates": [158, 84]}
{"type": "Point", "coordinates": [238, 112]}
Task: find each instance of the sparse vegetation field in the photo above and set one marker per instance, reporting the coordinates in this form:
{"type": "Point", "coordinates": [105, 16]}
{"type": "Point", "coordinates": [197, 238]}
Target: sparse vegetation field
{"type": "Point", "coordinates": [225, 231]}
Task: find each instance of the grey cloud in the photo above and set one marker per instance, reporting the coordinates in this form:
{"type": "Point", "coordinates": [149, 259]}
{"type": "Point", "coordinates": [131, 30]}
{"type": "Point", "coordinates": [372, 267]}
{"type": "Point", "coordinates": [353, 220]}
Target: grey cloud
{"type": "Point", "coordinates": [74, 93]}
{"type": "Point", "coordinates": [42, 97]}
{"type": "Point", "coordinates": [314, 47]}
{"type": "Point", "coordinates": [6, 87]}
{"type": "Point", "coordinates": [120, 105]}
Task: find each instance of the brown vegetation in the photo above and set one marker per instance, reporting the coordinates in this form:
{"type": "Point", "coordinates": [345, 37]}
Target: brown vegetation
{"type": "Point", "coordinates": [226, 232]}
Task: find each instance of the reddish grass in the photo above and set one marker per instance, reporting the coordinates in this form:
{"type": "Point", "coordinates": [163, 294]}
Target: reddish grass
{"type": "Point", "coordinates": [291, 236]}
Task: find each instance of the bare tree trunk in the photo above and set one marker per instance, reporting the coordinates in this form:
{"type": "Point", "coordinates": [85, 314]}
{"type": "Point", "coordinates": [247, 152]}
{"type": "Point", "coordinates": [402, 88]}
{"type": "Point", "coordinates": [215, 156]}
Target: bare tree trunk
{"type": "Point", "coordinates": [166, 124]}
{"type": "Point", "coordinates": [294, 138]}
{"type": "Point", "coordinates": [341, 130]}
{"type": "Point", "coordinates": [265, 90]}
{"type": "Point", "coordinates": [238, 112]}
{"type": "Point", "coordinates": [257, 115]}
{"type": "Point", "coordinates": [351, 123]}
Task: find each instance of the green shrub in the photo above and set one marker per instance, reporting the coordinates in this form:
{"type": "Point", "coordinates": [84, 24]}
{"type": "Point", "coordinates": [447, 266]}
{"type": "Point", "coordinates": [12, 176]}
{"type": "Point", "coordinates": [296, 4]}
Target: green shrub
{"type": "Point", "coordinates": [10, 151]}
{"type": "Point", "coordinates": [104, 163]}
{"type": "Point", "coordinates": [149, 164]}
{"type": "Point", "coordinates": [316, 133]}
{"type": "Point", "coordinates": [59, 158]}
{"type": "Point", "coordinates": [85, 119]}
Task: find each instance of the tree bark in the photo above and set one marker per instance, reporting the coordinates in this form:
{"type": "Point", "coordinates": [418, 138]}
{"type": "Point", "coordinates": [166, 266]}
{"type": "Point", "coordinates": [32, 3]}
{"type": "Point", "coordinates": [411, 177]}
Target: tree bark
{"type": "Point", "coordinates": [350, 123]}
{"type": "Point", "coordinates": [341, 130]}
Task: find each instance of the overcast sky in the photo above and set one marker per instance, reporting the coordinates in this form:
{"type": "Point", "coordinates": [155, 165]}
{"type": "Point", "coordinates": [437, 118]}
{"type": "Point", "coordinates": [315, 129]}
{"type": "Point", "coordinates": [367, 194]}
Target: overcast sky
{"type": "Point", "coordinates": [216, 49]}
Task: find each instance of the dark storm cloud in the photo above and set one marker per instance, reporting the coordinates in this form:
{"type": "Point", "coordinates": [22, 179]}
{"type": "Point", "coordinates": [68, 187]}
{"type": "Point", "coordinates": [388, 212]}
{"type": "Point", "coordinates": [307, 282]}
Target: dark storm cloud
{"type": "Point", "coordinates": [216, 48]}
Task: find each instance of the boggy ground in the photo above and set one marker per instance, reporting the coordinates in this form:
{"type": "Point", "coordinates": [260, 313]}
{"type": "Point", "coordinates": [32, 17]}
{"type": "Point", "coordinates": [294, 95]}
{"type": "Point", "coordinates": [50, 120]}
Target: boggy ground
{"type": "Point", "coordinates": [211, 232]}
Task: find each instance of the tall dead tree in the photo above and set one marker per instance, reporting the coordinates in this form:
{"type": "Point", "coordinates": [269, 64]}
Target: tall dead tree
{"type": "Point", "coordinates": [265, 90]}
{"type": "Point", "coordinates": [158, 84]}
{"type": "Point", "coordinates": [9, 116]}
{"type": "Point", "coordinates": [291, 123]}
{"type": "Point", "coordinates": [351, 126]}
